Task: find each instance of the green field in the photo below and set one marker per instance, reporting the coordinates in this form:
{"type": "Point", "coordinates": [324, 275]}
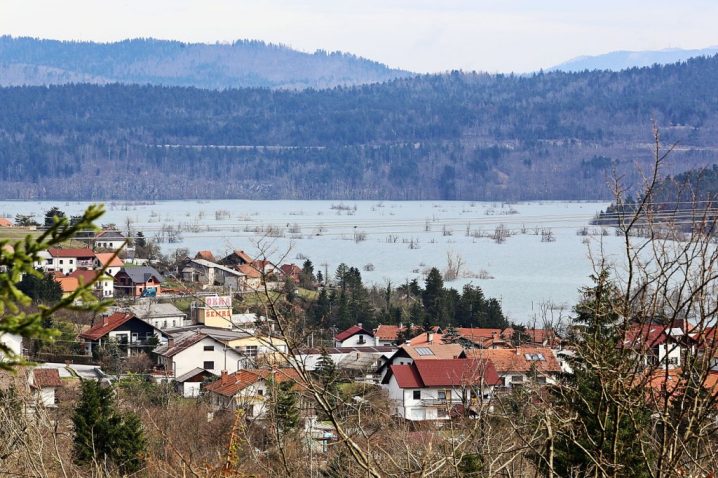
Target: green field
{"type": "Point", "coordinates": [14, 234]}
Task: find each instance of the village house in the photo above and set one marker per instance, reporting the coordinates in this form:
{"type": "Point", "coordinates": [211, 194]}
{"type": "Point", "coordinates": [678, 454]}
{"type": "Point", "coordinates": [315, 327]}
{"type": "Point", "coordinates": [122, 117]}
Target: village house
{"type": "Point", "coordinates": [140, 281]}
{"type": "Point", "coordinates": [406, 354]}
{"type": "Point", "coordinates": [253, 280]}
{"type": "Point", "coordinates": [159, 315]}
{"type": "Point", "coordinates": [358, 362]}
{"type": "Point", "coordinates": [522, 365]}
{"type": "Point", "coordinates": [438, 389]}
{"type": "Point", "coordinates": [248, 390]}
{"type": "Point", "coordinates": [189, 384]}
{"type": "Point", "coordinates": [43, 383]}
{"type": "Point", "coordinates": [186, 350]}
{"type": "Point", "coordinates": [103, 285]}
{"type": "Point", "coordinates": [658, 345]}
{"type": "Point", "coordinates": [130, 333]}
{"type": "Point", "coordinates": [108, 240]}
{"type": "Point", "coordinates": [468, 337]}
{"type": "Point", "coordinates": [5, 222]}
{"type": "Point", "coordinates": [236, 258]}
{"type": "Point", "coordinates": [66, 261]}
{"type": "Point", "coordinates": [291, 271]}
{"type": "Point", "coordinates": [109, 261]}
{"type": "Point", "coordinates": [354, 336]}
{"type": "Point", "coordinates": [210, 274]}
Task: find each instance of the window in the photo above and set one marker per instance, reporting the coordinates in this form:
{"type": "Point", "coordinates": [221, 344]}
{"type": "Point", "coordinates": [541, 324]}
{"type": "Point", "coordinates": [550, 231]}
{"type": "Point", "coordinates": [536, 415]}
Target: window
{"type": "Point", "coordinates": [424, 351]}
{"type": "Point", "coordinates": [260, 392]}
{"type": "Point", "coordinates": [361, 340]}
{"type": "Point", "coordinates": [61, 261]}
{"type": "Point", "coordinates": [417, 394]}
{"type": "Point", "coordinates": [250, 350]}
{"type": "Point", "coordinates": [517, 379]}
{"type": "Point", "coordinates": [72, 261]}
{"type": "Point", "coordinates": [209, 365]}
{"type": "Point", "coordinates": [209, 348]}
{"type": "Point", "coordinates": [442, 395]}
{"type": "Point", "coordinates": [534, 357]}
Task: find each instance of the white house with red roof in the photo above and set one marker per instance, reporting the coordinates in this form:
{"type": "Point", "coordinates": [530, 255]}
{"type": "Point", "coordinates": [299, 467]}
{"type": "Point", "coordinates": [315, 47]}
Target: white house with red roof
{"type": "Point", "coordinates": [43, 383]}
{"type": "Point", "coordinates": [521, 365]}
{"type": "Point", "coordinates": [657, 344]}
{"type": "Point", "coordinates": [354, 336]}
{"type": "Point", "coordinates": [439, 389]}
{"type": "Point", "coordinates": [66, 260]}
{"type": "Point", "coordinates": [192, 349]}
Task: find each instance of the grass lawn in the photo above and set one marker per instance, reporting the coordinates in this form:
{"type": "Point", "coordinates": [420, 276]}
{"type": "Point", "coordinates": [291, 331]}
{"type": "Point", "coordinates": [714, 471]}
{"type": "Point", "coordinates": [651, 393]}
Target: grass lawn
{"type": "Point", "coordinates": [14, 234]}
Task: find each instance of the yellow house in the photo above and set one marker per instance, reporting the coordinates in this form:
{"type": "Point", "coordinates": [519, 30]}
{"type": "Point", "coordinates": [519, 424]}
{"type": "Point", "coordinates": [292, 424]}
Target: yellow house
{"type": "Point", "coordinates": [260, 348]}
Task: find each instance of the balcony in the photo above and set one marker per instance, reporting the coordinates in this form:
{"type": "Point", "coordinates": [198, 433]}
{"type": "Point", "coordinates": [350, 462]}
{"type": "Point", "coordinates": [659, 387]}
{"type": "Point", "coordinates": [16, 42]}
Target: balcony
{"type": "Point", "coordinates": [437, 402]}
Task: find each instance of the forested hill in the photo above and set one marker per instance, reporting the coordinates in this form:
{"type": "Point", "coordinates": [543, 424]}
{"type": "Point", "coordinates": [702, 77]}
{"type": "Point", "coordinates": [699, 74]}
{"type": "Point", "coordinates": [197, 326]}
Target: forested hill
{"type": "Point", "coordinates": [30, 61]}
{"type": "Point", "coordinates": [455, 136]}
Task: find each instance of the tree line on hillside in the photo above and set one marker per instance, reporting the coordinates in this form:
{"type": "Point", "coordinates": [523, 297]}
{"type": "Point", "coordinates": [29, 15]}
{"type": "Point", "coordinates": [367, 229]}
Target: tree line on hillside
{"type": "Point", "coordinates": [455, 136]}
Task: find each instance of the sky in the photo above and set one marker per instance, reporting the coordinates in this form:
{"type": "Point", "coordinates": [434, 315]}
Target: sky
{"type": "Point", "coordinates": [417, 35]}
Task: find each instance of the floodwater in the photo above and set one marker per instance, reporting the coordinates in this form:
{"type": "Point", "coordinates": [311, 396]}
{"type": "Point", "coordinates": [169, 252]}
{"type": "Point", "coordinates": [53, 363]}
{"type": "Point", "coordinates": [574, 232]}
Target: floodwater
{"type": "Point", "coordinates": [544, 257]}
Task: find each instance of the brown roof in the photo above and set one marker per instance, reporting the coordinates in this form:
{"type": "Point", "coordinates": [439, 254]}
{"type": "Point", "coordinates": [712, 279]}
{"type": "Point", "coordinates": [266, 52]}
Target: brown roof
{"type": "Point", "coordinates": [107, 260]}
{"type": "Point", "coordinates": [433, 351]}
{"type": "Point", "coordinates": [84, 276]}
{"type": "Point", "coordinates": [444, 373]}
{"type": "Point", "coordinates": [249, 270]}
{"type": "Point", "coordinates": [387, 332]}
{"type": "Point", "coordinates": [82, 252]}
{"type": "Point", "coordinates": [243, 255]}
{"type": "Point", "coordinates": [46, 377]}
{"type": "Point", "coordinates": [107, 325]}
{"type": "Point", "coordinates": [520, 359]}
{"type": "Point", "coordinates": [181, 344]}
{"type": "Point", "coordinates": [229, 384]}
{"type": "Point", "coordinates": [5, 222]}
{"type": "Point", "coordinates": [206, 255]}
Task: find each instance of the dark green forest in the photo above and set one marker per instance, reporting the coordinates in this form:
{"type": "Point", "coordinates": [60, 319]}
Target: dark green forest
{"type": "Point", "coordinates": [464, 136]}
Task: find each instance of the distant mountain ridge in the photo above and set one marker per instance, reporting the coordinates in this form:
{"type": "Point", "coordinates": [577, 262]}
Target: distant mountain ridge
{"type": "Point", "coordinates": [621, 60]}
{"type": "Point", "coordinates": [244, 63]}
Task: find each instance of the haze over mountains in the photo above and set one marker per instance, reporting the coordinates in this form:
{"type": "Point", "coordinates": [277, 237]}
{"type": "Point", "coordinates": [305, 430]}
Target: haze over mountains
{"type": "Point", "coordinates": [620, 60]}
{"type": "Point", "coordinates": [248, 63]}
{"type": "Point", "coordinates": [460, 136]}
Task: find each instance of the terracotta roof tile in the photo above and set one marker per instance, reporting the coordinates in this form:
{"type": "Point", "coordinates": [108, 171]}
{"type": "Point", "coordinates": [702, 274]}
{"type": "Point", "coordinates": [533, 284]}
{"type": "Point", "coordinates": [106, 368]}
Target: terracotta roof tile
{"type": "Point", "coordinates": [106, 259]}
{"type": "Point", "coordinates": [444, 373]}
{"type": "Point", "coordinates": [82, 252]}
{"type": "Point", "coordinates": [387, 332]}
{"type": "Point", "coordinates": [68, 284]}
{"type": "Point", "coordinates": [46, 377]}
{"type": "Point", "coordinates": [107, 325]}
{"type": "Point", "coordinates": [249, 270]}
{"type": "Point", "coordinates": [515, 359]}
{"type": "Point", "coordinates": [433, 351]}
{"type": "Point", "coordinates": [229, 384]}
{"type": "Point", "coordinates": [4, 222]}
{"type": "Point", "coordinates": [206, 255]}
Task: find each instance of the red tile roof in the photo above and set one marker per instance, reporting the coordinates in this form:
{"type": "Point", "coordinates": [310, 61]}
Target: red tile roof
{"type": "Point", "coordinates": [46, 377]}
{"type": "Point", "coordinates": [645, 336]}
{"type": "Point", "coordinates": [82, 252]}
{"type": "Point", "coordinates": [436, 351]}
{"type": "Point", "coordinates": [387, 332]}
{"type": "Point", "coordinates": [229, 384]}
{"type": "Point", "coordinates": [5, 222]}
{"type": "Point", "coordinates": [106, 325]}
{"type": "Point", "coordinates": [206, 255]}
{"type": "Point", "coordinates": [445, 373]}
{"type": "Point", "coordinates": [84, 276]}
{"type": "Point", "coordinates": [249, 270]}
{"type": "Point", "coordinates": [515, 360]}
{"type": "Point", "coordinates": [106, 259]}
{"type": "Point", "coordinates": [353, 330]}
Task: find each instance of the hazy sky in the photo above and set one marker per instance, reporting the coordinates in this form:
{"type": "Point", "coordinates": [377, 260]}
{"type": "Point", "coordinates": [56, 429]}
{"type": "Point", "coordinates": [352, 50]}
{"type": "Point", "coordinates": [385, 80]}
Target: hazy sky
{"type": "Point", "coordinates": [419, 35]}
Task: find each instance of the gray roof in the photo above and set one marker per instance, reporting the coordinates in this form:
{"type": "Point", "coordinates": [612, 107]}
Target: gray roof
{"type": "Point", "coordinates": [152, 310]}
{"type": "Point", "coordinates": [141, 274]}
{"type": "Point", "coordinates": [192, 373]}
{"type": "Point", "coordinates": [209, 264]}
{"type": "Point", "coordinates": [214, 332]}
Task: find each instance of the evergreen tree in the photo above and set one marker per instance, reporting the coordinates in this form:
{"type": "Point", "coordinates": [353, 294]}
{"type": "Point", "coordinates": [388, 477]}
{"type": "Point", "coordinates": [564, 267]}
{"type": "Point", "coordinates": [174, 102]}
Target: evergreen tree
{"type": "Point", "coordinates": [286, 408]}
{"type": "Point", "coordinates": [604, 409]}
{"type": "Point", "coordinates": [43, 290]}
{"type": "Point", "coordinates": [451, 336]}
{"type": "Point", "coordinates": [433, 296]}
{"type": "Point", "coordinates": [102, 433]}
{"type": "Point", "coordinates": [52, 215]}
{"type": "Point", "coordinates": [327, 374]}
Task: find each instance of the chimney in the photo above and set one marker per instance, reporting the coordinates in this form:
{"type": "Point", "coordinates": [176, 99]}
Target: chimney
{"type": "Point", "coordinates": [170, 342]}
{"type": "Point", "coordinates": [105, 321]}
{"type": "Point", "coordinates": [223, 376]}
{"type": "Point", "coordinates": [429, 337]}
{"type": "Point", "coordinates": [360, 325]}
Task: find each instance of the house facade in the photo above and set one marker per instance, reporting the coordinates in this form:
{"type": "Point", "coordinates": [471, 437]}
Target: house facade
{"type": "Point", "coordinates": [43, 383]}
{"type": "Point", "coordinates": [439, 389]}
{"type": "Point", "coordinates": [159, 315]}
{"type": "Point", "coordinates": [186, 351]}
{"type": "Point", "coordinates": [354, 336]}
{"type": "Point", "coordinates": [141, 281]}
{"type": "Point", "coordinates": [66, 261]}
{"type": "Point", "coordinates": [130, 333]}
{"type": "Point", "coordinates": [109, 261]}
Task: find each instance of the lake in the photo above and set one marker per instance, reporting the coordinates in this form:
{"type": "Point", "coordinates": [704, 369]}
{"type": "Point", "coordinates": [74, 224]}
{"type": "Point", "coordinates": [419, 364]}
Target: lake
{"type": "Point", "coordinates": [543, 257]}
